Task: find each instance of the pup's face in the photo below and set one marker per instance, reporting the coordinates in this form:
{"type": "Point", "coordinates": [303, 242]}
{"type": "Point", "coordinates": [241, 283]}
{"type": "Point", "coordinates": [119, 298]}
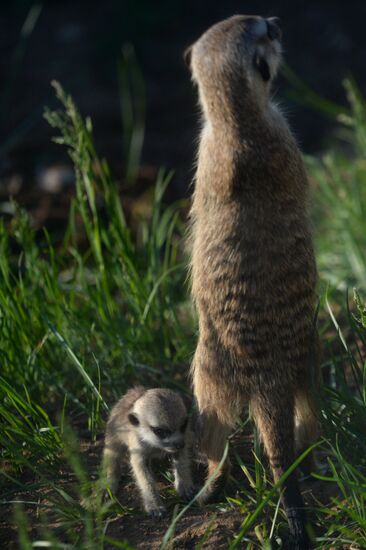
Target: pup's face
{"type": "Point", "coordinates": [238, 51]}
{"type": "Point", "coordinates": [160, 419]}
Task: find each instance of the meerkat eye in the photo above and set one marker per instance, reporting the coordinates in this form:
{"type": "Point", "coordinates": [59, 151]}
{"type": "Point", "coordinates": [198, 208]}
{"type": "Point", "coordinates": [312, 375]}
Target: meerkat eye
{"type": "Point", "coordinates": [161, 433]}
{"type": "Point", "coordinates": [262, 67]}
{"type": "Point", "coordinates": [133, 419]}
{"type": "Point", "coordinates": [184, 425]}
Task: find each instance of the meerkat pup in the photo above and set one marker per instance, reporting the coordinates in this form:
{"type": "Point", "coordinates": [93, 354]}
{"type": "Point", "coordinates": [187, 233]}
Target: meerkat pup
{"type": "Point", "coordinates": [148, 424]}
{"type": "Point", "coordinates": [253, 268]}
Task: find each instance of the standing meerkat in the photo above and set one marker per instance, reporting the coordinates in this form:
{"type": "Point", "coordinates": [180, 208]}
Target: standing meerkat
{"type": "Point", "coordinates": [253, 268]}
{"type": "Point", "coordinates": [149, 424]}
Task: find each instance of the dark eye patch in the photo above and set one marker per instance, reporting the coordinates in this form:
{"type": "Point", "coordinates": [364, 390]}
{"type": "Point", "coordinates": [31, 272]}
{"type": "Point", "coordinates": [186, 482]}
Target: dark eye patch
{"type": "Point", "coordinates": [133, 419]}
{"type": "Point", "coordinates": [161, 433]}
{"type": "Point", "coordinates": [262, 67]}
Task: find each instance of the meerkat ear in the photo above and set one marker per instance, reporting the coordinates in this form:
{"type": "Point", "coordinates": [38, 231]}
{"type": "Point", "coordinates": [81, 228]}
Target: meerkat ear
{"type": "Point", "coordinates": [187, 56]}
{"type": "Point", "coordinates": [262, 66]}
{"type": "Point", "coordinates": [133, 419]}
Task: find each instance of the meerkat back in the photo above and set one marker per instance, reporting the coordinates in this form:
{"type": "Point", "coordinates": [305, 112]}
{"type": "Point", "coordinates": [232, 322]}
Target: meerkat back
{"type": "Point", "coordinates": [253, 268]}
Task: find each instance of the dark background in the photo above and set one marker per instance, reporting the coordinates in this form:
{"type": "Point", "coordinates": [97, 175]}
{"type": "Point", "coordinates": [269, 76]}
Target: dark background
{"type": "Point", "coordinates": [79, 43]}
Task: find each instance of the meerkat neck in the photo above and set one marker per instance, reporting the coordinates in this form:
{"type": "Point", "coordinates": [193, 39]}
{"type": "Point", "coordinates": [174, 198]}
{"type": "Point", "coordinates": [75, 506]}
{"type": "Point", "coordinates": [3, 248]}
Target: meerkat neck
{"type": "Point", "coordinates": [232, 111]}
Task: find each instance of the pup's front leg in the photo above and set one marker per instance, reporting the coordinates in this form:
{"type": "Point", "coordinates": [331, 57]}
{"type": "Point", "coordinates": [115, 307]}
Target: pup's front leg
{"type": "Point", "coordinates": [182, 470]}
{"type": "Point", "coordinates": [147, 485]}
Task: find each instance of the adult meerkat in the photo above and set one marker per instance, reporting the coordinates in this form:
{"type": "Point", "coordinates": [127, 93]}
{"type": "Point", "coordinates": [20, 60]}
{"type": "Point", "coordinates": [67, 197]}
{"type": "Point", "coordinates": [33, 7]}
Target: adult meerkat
{"type": "Point", "coordinates": [253, 268]}
{"type": "Point", "coordinates": [149, 424]}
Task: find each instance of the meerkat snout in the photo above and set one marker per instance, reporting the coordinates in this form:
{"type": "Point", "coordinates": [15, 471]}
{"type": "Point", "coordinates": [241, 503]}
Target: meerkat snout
{"type": "Point", "coordinates": [166, 439]}
{"type": "Point", "coordinates": [268, 50]}
{"type": "Point", "coordinates": [274, 29]}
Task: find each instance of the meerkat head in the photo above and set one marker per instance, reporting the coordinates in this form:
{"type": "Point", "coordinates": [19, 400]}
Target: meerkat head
{"type": "Point", "coordinates": [234, 59]}
{"type": "Point", "coordinates": [160, 419]}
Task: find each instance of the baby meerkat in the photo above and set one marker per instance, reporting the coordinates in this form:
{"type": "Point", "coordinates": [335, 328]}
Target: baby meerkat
{"type": "Point", "coordinates": [253, 268]}
{"type": "Point", "coordinates": [150, 424]}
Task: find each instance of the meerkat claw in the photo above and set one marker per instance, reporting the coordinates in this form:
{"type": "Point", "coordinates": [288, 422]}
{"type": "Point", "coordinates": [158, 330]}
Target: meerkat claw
{"type": "Point", "coordinates": [187, 493]}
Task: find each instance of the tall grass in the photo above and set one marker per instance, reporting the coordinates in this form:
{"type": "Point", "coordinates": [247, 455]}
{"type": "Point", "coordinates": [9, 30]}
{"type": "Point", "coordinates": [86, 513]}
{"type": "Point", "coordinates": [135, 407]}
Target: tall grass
{"type": "Point", "coordinates": [340, 199]}
{"type": "Point", "coordinates": [82, 321]}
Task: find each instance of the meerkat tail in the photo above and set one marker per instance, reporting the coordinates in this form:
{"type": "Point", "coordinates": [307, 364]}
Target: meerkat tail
{"type": "Point", "coordinates": [274, 418]}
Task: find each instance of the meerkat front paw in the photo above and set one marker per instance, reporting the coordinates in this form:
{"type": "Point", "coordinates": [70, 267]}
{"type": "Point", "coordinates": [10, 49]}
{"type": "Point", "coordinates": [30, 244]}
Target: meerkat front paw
{"type": "Point", "coordinates": [187, 492]}
{"type": "Point", "coordinates": [157, 512]}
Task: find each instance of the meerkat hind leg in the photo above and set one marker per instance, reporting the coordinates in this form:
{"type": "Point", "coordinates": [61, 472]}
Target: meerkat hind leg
{"type": "Point", "coordinates": [112, 467]}
{"type": "Point", "coordinates": [274, 415]}
{"type": "Point", "coordinates": [213, 439]}
{"type": "Point", "coordinates": [147, 485]}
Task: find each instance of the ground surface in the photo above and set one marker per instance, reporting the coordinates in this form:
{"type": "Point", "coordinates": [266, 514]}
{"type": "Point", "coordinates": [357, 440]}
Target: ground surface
{"type": "Point", "coordinates": [211, 527]}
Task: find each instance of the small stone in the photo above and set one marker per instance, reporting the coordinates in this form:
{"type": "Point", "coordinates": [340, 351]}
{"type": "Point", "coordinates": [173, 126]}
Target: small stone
{"type": "Point", "coordinates": [53, 179]}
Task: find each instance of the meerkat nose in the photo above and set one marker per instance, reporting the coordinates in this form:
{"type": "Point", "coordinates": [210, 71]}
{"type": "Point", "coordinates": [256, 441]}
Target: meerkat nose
{"type": "Point", "coordinates": [179, 445]}
{"type": "Point", "coordinates": [274, 29]}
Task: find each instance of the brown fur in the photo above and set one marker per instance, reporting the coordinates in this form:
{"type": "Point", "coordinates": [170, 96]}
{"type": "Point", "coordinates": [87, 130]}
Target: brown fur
{"type": "Point", "coordinates": [253, 267]}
